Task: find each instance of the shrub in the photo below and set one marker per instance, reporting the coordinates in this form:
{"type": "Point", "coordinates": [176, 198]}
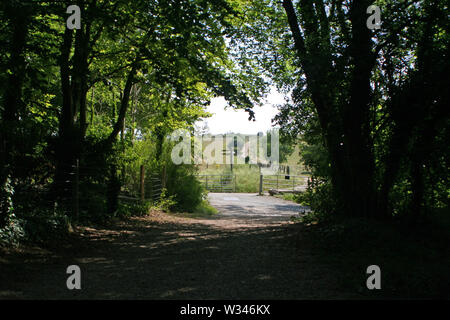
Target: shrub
{"type": "Point", "coordinates": [166, 202]}
{"type": "Point", "coordinates": [185, 188]}
{"type": "Point", "coordinates": [12, 233]}
{"type": "Point", "coordinates": [135, 208]}
{"type": "Point", "coordinates": [45, 225]}
{"type": "Point", "coordinates": [320, 198]}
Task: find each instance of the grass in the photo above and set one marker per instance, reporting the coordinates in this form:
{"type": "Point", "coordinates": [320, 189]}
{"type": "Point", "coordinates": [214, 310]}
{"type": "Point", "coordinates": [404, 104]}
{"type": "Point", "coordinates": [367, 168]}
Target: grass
{"type": "Point", "coordinates": [247, 176]}
{"type": "Point", "coordinates": [286, 196]}
{"type": "Point", "coordinates": [203, 210]}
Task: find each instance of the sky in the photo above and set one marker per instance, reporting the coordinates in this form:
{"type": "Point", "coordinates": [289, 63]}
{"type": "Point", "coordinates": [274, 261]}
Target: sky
{"type": "Point", "coordinates": [236, 121]}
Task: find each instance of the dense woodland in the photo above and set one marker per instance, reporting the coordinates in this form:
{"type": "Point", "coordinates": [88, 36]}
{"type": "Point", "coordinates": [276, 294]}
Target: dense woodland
{"type": "Point", "coordinates": [82, 109]}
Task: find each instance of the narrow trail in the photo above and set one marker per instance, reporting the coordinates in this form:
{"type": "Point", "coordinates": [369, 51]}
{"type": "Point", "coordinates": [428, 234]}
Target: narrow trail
{"type": "Point", "coordinates": [250, 250]}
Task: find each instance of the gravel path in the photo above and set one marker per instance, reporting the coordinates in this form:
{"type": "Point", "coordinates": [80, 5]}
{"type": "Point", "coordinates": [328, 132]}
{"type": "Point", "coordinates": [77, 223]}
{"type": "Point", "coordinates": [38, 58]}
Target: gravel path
{"type": "Point", "coordinates": [250, 250]}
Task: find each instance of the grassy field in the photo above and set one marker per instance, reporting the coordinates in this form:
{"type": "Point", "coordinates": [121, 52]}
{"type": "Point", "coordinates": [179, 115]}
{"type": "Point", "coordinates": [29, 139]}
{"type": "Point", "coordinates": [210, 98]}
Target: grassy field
{"type": "Point", "coordinates": [247, 176]}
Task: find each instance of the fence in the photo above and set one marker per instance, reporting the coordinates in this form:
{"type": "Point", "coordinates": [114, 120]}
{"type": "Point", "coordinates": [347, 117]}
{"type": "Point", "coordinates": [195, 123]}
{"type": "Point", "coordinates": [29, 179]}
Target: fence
{"type": "Point", "coordinates": [218, 182]}
{"type": "Point", "coordinates": [78, 188]}
{"type": "Point", "coordinates": [149, 187]}
{"type": "Point", "coordinates": [281, 183]}
{"type": "Point", "coordinates": [60, 191]}
{"type": "Point", "coordinates": [155, 186]}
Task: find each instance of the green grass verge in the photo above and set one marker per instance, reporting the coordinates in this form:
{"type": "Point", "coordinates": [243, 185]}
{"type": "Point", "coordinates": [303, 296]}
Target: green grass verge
{"type": "Point", "coordinates": [203, 210]}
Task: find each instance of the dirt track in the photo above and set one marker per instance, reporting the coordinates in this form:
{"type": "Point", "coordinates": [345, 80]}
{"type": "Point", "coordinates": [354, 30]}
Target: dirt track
{"type": "Point", "coordinates": [250, 250]}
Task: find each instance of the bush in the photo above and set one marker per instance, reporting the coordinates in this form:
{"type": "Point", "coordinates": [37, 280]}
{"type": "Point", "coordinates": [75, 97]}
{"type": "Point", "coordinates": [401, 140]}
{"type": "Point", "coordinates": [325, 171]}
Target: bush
{"type": "Point", "coordinates": [320, 198]}
{"type": "Point", "coordinates": [12, 233]}
{"type": "Point", "coordinates": [135, 208]}
{"type": "Point", "coordinates": [166, 202]}
{"type": "Point", "coordinates": [6, 202]}
{"type": "Point", "coordinates": [44, 225]}
{"type": "Point", "coordinates": [185, 188]}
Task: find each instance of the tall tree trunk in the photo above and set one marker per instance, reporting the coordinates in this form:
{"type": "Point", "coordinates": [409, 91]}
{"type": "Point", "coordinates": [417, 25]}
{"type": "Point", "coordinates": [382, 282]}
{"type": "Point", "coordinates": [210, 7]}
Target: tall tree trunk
{"type": "Point", "coordinates": [73, 121]}
{"type": "Point", "coordinates": [360, 196]}
{"type": "Point", "coordinates": [65, 150]}
{"type": "Point", "coordinates": [320, 97]}
{"type": "Point", "coordinates": [345, 128]}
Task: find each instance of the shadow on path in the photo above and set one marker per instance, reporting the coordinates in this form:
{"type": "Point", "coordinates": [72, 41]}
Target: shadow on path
{"type": "Point", "coordinates": [167, 257]}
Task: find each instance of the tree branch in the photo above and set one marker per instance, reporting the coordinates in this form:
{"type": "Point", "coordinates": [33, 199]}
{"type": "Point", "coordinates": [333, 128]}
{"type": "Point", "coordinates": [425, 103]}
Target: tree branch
{"type": "Point", "coordinates": [123, 105]}
{"type": "Point", "coordinates": [295, 28]}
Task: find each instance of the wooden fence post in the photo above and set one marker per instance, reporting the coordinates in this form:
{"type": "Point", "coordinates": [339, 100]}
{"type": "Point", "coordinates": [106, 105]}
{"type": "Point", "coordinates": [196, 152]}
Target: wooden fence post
{"type": "Point", "coordinates": [142, 179]}
{"type": "Point", "coordinates": [260, 184]}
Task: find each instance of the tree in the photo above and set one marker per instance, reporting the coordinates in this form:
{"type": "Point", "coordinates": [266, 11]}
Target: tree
{"type": "Point", "coordinates": [70, 94]}
{"type": "Point", "coordinates": [365, 90]}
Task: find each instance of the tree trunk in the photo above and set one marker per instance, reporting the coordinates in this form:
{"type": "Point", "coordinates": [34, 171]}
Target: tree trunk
{"type": "Point", "coordinates": [65, 149]}
{"type": "Point", "coordinates": [123, 107]}
{"type": "Point", "coordinates": [345, 128]}
{"type": "Point", "coordinates": [73, 121]}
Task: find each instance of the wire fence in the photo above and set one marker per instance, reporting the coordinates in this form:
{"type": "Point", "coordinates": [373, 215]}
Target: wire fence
{"type": "Point", "coordinates": [145, 187]}
{"type": "Point", "coordinates": [67, 187]}
{"type": "Point", "coordinates": [156, 186]}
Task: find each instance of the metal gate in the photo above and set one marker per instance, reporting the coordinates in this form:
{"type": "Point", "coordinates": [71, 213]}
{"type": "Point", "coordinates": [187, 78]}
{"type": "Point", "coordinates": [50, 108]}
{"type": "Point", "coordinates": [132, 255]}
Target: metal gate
{"type": "Point", "coordinates": [281, 183]}
{"type": "Point", "coordinates": [218, 182]}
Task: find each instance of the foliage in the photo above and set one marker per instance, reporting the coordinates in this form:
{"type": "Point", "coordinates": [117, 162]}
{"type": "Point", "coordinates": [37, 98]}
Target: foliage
{"type": "Point", "coordinates": [12, 233]}
{"type": "Point", "coordinates": [184, 186]}
{"type": "Point", "coordinates": [38, 225]}
{"type": "Point", "coordinates": [166, 202]}
{"type": "Point", "coordinates": [135, 208]}
{"type": "Point", "coordinates": [82, 110]}
{"type": "Point", "coordinates": [319, 198]}
{"type": "Point", "coordinates": [358, 98]}
{"type": "Point", "coordinates": [6, 204]}
{"type": "Point", "coordinates": [205, 209]}
{"type": "Point", "coordinates": [106, 96]}
{"type": "Point", "coordinates": [43, 225]}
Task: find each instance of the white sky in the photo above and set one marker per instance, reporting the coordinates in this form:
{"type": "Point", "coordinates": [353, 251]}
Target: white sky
{"type": "Point", "coordinates": [236, 121]}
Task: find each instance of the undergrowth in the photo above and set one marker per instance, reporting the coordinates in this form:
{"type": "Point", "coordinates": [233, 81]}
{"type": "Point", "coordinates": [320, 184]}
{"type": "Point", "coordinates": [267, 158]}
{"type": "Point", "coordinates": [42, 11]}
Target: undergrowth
{"type": "Point", "coordinates": [414, 259]}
